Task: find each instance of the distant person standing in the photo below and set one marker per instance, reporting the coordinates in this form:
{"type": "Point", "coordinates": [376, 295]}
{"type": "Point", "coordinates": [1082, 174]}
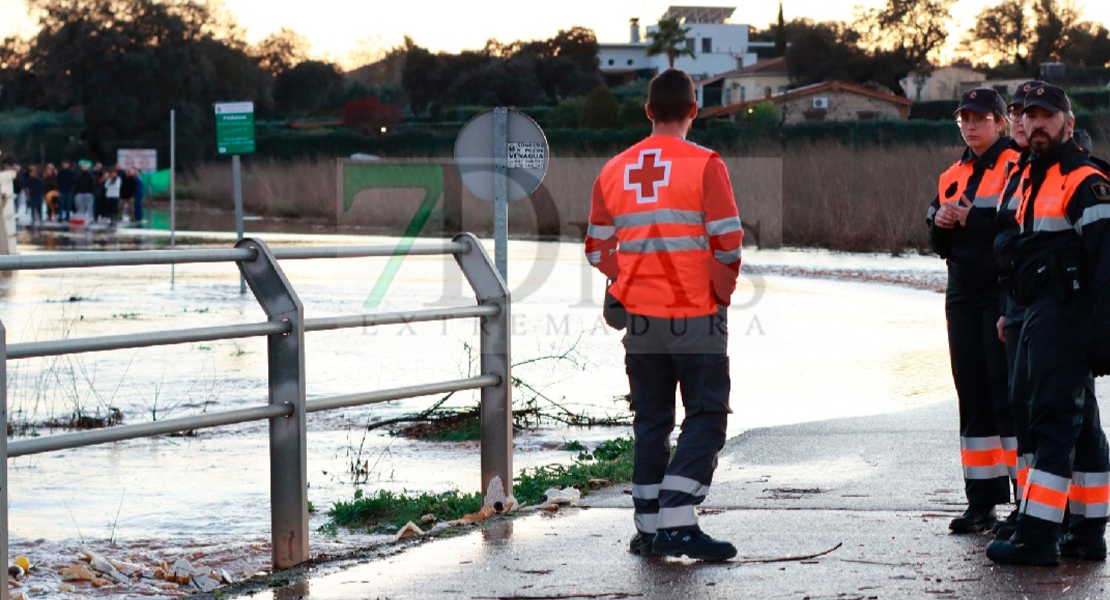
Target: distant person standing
{"type": "Point", "coordinates": [140, 191]}
{"type": "Point", "coordinates": [113, 184]}
{"type": "Point", "coordinates": [664, 228]}
{"type": "Point", "coordinates": [67, 187]}
{"type": "Point", "coordinates": [126, 193]}
{"type": "Point", "coordinates": [7, 205]}
{"type": "Point", "coordinates": [85, 196]}
{"type": "Point", "coordinates": [50, 184]}
{"type": "Point", "coordinates": [962, 228]}
{"type": "Point", "coordinates": [36, 193]}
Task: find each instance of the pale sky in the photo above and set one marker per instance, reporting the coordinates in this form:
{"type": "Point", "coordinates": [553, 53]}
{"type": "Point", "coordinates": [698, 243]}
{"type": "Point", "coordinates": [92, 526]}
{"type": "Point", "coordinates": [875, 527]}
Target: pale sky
{"type": "Point", "coordinates": [336, 28]}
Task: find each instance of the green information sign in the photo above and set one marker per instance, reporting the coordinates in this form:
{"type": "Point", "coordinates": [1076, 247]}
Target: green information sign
{"type": "Point", "coordinates": [234, 128]}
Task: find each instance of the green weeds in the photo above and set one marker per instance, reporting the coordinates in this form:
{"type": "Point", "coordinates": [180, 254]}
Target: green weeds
{"type": "Point", "coordinates": [610, 461]}
{"type": "Point", "coordinates": [386, 511]}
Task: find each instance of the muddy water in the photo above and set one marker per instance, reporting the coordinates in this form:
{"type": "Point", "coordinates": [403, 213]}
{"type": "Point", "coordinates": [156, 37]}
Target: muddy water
{"type": "Point", "coordinates": [802, 349]}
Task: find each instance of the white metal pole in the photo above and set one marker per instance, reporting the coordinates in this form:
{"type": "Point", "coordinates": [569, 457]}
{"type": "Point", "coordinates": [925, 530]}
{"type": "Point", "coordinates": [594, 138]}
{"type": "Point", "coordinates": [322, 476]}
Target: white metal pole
{"type": "Point", "coordinates": [500, 190]}
{"type": "Point", "coordinates": [173, 189]}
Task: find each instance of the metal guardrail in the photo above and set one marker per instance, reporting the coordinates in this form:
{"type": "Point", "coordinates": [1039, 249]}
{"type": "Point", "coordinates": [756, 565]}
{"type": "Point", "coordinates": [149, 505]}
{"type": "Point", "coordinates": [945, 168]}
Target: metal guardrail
{"type": "Point", "coordinates": [284, 329]}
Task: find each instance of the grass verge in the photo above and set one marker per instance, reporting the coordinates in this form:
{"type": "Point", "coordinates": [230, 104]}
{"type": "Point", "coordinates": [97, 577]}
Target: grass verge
{"type": "Point", "coordinates": [610, 462]}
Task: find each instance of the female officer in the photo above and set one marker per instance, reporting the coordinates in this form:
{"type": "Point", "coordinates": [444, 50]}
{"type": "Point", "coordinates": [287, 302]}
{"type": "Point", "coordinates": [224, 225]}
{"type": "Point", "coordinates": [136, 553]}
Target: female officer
{"type": "Point", "coordinates": [962, 228]}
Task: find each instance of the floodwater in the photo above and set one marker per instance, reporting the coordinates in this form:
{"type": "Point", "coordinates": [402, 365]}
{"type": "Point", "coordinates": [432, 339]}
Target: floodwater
{"type": "Point", "coordinates": [801, 348]}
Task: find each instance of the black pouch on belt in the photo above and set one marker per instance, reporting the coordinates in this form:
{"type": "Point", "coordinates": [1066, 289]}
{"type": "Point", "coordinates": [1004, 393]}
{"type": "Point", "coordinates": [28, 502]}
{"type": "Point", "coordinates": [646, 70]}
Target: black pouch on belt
{"type": "Point", "coordinates": [1067, 275]}
{"type": "Point", "coordinates": [613, 311]}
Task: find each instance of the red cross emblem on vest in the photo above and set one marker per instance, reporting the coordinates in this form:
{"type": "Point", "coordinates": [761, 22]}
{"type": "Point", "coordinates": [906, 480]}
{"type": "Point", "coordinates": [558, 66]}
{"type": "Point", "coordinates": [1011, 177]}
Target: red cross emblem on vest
{"type": "Point", "coordinates": [647, 176]}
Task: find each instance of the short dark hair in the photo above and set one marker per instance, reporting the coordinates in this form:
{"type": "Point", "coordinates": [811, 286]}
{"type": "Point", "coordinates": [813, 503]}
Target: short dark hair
{"type": "Point", "coordinates": [671, 96]}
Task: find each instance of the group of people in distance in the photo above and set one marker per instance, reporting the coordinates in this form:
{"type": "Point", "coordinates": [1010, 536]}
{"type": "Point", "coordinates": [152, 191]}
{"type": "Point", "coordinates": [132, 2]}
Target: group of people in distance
{"type": "Point", "coordinates": [1022, 220]}
{"type": "Point", "coordinates": [77, 194]}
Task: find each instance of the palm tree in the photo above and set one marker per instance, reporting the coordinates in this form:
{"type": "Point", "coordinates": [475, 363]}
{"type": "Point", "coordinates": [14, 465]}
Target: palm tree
{"type": "Point", "coordinates": [669, 39]}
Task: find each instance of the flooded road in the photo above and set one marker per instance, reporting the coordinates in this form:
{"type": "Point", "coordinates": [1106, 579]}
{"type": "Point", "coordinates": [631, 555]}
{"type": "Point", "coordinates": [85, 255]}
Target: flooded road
{"type": "Point", "coordinates": [802, 349]}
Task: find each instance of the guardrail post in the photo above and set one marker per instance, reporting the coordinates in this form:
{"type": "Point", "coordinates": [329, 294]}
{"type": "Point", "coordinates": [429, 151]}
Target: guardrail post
{"type": "Point", "coordinates": [4, 456]}
{"type": "Point", "coordinates": [497, 401]}
{"type": "Point", "coordinates": [288, 447]}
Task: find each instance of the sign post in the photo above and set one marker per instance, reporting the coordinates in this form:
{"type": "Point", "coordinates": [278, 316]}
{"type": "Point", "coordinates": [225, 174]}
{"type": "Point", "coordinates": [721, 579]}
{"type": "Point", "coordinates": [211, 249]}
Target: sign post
{"type": "Point", "coordinates": [502, 156]}
{"type": "Point", "coordinates": [235, 136]}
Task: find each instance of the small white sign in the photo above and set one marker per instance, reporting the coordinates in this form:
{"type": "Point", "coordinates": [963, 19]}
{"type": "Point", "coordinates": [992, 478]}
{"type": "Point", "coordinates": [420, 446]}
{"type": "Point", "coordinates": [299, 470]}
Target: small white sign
{"type": "Point", "coordinates": [142, 160]}
{"type": "Point", "coordinates": [526, 155]}
{"type": "Point", "coordinates": [224, 108]}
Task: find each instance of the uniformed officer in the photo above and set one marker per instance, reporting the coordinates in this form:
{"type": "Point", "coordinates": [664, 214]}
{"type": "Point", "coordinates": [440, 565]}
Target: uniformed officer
{"type": "Point", "coordinates": [962, 228]}
{"type": "Point", "coordinates": [1013, 312]}
{"type": "Point", "coordinates": [664, 228]}
{"type": "Point", "coordinates": [1061, 272]}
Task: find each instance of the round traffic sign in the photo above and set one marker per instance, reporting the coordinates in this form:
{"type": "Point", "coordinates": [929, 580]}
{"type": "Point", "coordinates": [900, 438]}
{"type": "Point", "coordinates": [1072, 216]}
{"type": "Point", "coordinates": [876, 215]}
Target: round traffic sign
{"type": "Point", "coordinates": [526, 155]}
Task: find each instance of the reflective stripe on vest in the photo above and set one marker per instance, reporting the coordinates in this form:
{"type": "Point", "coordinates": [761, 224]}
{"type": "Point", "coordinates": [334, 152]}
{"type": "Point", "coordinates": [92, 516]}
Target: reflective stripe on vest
{"type": "Point", "coordinates": [952, 184]}
{"type": "Point", "coordinates": [655, 193]}
{"type": "Point", "coordinates": [1050, 208]}
{"type": "Point", "coordinates": [1046, 496]}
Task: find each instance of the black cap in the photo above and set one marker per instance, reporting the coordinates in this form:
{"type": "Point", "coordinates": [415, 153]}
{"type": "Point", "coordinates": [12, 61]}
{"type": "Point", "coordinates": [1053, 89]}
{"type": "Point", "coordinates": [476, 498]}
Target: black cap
{"type": "Point", "coordinates": [984, 100]}
{"type": "Point", "coordinates": [1048, 97]}
{"type": "Point", "coordinates": [1022, 91]}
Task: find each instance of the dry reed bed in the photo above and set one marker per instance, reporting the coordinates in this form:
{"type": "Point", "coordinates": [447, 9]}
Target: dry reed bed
{"type": "Point", "coordinates": [831, 196]}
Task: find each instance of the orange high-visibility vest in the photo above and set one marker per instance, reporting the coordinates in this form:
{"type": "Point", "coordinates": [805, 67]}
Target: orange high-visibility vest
{"type": "Point", "coordinates": [654, 193]}
{"type": "Point", "coordinates": [1051, 206]}
{"type": "Point", "coordinates": [952, 184]}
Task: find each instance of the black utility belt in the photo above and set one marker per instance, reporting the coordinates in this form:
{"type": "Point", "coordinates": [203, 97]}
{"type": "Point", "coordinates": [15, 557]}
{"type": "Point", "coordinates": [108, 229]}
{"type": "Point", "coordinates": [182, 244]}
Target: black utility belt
{"type": "Point", "coordinates": [1060, 275]}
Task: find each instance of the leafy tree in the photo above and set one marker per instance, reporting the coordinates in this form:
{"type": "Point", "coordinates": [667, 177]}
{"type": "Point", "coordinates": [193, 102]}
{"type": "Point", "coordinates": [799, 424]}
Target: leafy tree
{"type": "Point", "coordinates": [308, 87]}
{"type": "Point", "coordinates": [1090, 45]}
{"type": "Point", "coordinates": [129, 62]}
{"type": "Point", "coordinates": [780, 34]}
{"type": "Point", "coordinates": [822, 51]}
{"type": "Point", "coordinates": [909, 30]}
{"type": "Point", "coordinates": [565, 114]}
{"type": "Point", "coordinates": [281, 51]}
{"type": "Point", "coordinates": [520, 73]}
{"type": "Point", "coordinates": [1005, 31]}
{"type": "Point", "coordinates": [1029, 32]}
{"type": "Point", "coordinates": [1056, 24]}
{"type": "Point", "coordinates": [765, 115]}
{"type": "Point", "coordinates": [632, 114]}
{"type": "Point", "coordinates": [600, 111]}
{"type": "Point", "coordinates": [669, 38]}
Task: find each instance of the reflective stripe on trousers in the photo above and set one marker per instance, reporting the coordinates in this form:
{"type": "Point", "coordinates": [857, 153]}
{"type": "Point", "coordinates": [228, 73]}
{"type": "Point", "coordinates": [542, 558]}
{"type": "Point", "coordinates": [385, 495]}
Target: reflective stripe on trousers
{"type": "Point", "coordinates": [1089, 495]}
{"type": "Point", "coordinates": [984, 457]}
{"type": "Point", "coordinates": [1046, 496]}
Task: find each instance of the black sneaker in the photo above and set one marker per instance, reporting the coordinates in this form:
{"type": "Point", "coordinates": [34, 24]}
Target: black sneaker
{"type": "Point", "coordinates": [692, 543]}
{"type": "Point", "coordinates": [974, 520]}
{"type": "Point", "coordinates": [640, 545]}
{"type": "Point", "coordinates": [1016, 552]}
{"type": "Point", "coordinates": [1004, 529]}
{"type": "Point", "coordinates": [1087, 548]}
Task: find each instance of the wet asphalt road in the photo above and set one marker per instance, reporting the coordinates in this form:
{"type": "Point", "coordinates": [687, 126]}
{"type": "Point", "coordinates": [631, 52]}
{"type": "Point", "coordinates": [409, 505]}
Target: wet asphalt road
{"type": "Point", "coordinates": [845, 509]}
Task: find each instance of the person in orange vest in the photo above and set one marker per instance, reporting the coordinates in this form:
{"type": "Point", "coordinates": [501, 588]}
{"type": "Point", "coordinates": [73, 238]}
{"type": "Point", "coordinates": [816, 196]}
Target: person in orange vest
{"type": "Point", "coordinates": [1013, 312]}
{"type": "Point", "coordinates": [1061, 271]}
{"type": "Point", "coordinates": [664, 228]}
{"type": "Point", "coordinates": [962, 228]}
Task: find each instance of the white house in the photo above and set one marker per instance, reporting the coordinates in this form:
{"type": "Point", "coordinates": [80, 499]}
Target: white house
{"type": "Point", "coordinates": [718, 46]}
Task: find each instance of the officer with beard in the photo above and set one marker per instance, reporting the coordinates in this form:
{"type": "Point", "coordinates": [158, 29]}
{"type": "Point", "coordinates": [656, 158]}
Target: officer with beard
{"type": "Point", "coordinates": [1061, 270]}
